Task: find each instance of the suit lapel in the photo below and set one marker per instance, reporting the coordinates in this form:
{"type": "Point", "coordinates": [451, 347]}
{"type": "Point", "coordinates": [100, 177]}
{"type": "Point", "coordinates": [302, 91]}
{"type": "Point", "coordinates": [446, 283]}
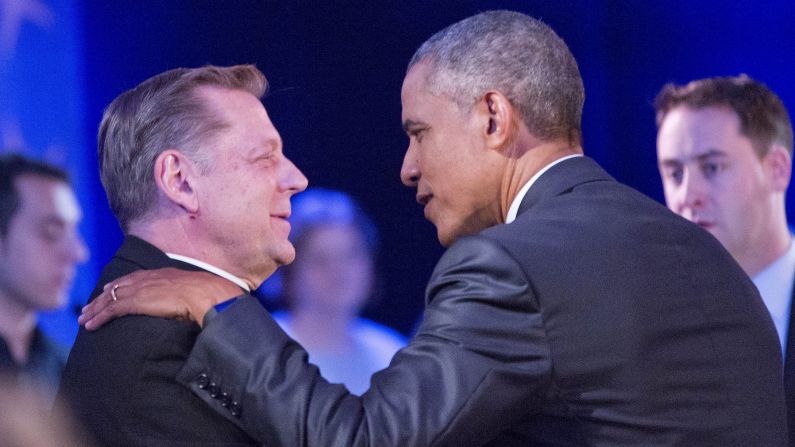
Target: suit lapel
{"type": "Point", "coordinates": [561, 178]}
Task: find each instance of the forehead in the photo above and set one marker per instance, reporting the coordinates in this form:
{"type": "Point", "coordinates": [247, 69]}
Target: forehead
{"type": "Point", "coordinates": [43, 197]}
{"type": "Point", "coordinates": [235, 107]}
{"type": "Point", "coordinates": [247, 122]}
{"type": "Point", "coordinates": [414, 81]}
{"type": "Point", "coordinates": [418, 102]}
{"type": "Point", "coordinates": [688, 131]}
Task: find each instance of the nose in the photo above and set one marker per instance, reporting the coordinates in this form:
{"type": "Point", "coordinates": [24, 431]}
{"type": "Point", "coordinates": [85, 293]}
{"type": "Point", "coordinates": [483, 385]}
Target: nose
{"type": "Point", "coordinates": [410, 171]}
{"type": "Point", "coordinates": [692, 193]}
{"type": "Point", "coordinates": [294, 180]}
{"type": "Point", "coordinates": [81, 251]}
{"type": "Point", "coordinates": [74, 249]}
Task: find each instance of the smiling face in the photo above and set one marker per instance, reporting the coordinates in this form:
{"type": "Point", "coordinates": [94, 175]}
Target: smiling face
{"type": "Point", "coordinates": [456, 177]}
{"type": "Point", "coordinates": [712, 176]}
{"type": "Point", "coordinates": [244, 199]}
{"type": "Point", "coordinates": [42, 247]}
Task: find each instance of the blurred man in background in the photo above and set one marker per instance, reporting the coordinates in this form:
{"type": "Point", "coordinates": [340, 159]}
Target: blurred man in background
{"type": "Point", "coordinates": [39, 249]}
{"type": "Point", "coordinates": [725, 156]}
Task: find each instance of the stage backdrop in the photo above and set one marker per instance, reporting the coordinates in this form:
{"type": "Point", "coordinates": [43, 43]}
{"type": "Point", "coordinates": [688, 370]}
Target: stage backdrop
{"type": "Point", "coordinates": [335, 69]}
{"type": "Point", "coordinates": [43, 114]}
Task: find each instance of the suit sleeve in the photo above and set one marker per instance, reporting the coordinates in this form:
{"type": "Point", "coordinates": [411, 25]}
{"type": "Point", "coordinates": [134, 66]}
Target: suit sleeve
{"type": "Point", "coordinates": [478, 364]}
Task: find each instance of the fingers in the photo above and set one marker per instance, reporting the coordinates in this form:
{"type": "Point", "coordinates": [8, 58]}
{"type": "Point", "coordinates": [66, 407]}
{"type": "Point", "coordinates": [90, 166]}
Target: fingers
{"type": "Point", "coordinates": [165, 293]}
{"type": "Point", "coordinates": [103, 308]}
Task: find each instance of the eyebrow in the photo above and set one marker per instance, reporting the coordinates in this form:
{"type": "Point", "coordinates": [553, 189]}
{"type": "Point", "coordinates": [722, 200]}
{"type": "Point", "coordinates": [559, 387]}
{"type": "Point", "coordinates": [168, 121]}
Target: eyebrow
{"type": "Point", "coordinates": [711, 153]}
{"type": "Point", "coordinates": [263, 147]}
{"type": "Point", "coordinates": [52, 219]}
{"type": "Point", "coordinates": [409, 124]}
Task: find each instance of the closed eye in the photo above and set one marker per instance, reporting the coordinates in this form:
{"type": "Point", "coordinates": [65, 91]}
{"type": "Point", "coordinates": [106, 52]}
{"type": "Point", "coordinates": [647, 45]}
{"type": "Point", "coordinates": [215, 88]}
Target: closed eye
{"type": "Point", "coordinates": [672, 172]}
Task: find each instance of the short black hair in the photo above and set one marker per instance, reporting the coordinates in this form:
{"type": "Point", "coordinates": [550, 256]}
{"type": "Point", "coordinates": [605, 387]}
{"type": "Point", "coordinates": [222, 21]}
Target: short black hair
{"type": "Point", "coordinates": [13, 165]}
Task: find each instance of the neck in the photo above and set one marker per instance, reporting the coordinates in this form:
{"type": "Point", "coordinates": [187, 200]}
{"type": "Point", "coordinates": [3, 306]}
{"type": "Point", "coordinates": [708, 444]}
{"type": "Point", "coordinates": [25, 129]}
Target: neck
{"type": "Point", "coordinates": [527, 163]}
{"type": "Point", "coordinates": [320, 330]}
{"type": "Point", "coordinates": [17, 323]}
{"type": "Point", "coordinates": [173, 236]}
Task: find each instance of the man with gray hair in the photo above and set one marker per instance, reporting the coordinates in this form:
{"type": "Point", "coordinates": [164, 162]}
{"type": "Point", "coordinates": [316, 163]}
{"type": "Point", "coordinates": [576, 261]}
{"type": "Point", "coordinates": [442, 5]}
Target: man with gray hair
{"type": "Point", "coordinates": [194, 172]}
{"type": "Point", "coordinates": [568, 309]}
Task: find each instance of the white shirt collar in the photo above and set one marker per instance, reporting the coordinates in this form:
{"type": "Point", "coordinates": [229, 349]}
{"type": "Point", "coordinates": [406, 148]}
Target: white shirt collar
{"type": "Point", "coordinates": [514, 209]}
{"type": "Point", "coordinates": [212, 269]}
{"type": "Point", "coordinates": [775, 285]}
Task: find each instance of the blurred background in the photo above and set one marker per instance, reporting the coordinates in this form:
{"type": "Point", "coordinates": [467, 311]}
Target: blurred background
{"type": "Point", "coordinates": [335, 70]}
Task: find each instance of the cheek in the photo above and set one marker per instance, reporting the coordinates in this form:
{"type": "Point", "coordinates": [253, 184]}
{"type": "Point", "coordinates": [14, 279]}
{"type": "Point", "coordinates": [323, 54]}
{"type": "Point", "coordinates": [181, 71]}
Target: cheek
{"type": "Point", "coordinates": [672, 195]}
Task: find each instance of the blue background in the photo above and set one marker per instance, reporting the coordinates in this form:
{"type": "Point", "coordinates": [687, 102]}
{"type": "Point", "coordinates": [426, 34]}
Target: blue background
{"type": "Point", "coordinates": [335, 70]}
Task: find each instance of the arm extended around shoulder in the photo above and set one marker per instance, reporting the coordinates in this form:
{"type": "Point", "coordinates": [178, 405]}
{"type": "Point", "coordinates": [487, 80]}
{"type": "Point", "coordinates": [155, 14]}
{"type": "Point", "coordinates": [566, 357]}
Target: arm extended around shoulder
{"type": "Point", "coordinates": [477, 363]}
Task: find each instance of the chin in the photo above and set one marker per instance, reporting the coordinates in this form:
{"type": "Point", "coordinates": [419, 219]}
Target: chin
{"type": "Point", "coordinates": [445, 238]}
{"type": "Point", "coordinates": [285, 257]}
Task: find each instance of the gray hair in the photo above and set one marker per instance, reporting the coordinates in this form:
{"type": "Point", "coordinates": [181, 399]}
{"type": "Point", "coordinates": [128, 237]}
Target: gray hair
{"type": "Point", "coordinates": [160, 113]}
{"type": "Point", "coordinates": [518, 56]}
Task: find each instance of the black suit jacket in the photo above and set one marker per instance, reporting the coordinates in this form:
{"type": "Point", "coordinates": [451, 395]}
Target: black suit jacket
{"type": "Point", "coordinates": [597, 318]}
{"type": "Point", "coordinates": [120, 380]}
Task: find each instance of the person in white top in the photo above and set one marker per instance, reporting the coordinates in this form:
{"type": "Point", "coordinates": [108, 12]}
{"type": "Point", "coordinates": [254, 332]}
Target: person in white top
{"type": "Point", "coordinates": [724, 147]}
{"type": "Point", "coordinates": [333, 278]}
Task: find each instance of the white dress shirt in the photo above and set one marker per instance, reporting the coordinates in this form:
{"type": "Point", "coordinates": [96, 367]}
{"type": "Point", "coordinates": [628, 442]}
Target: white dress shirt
{"type": "Point", "coordinates": [212, 269]}
{"type": "Point", "coordinates": [775, 285]}
{"type": "Point", "coordinates": [514, 209]}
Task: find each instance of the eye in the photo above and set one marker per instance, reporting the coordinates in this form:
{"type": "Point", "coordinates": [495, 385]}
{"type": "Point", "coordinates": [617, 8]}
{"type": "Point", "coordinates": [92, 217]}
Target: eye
{"type": "Point", "coordinates": [52, 232]}
{"type": "Point", "coordinates": [711, 168]}
{"type": "Point", "coordinates": [673, 174]}
{"type": "Point", "coordinates": [267, 158]}
{"type": "Point", "coordinates": [417, 134]}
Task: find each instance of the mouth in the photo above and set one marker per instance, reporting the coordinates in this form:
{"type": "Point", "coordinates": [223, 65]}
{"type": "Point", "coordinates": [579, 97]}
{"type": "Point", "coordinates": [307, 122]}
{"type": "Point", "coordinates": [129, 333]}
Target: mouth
{"type": "Point", "coordinates": [281, 215]}
{"type": "Point", "coordinates": [704, 224]}
{"type": "Point", "coordinates": [283, 223]}
{"type": "Point", "coordinates": [424, 198]}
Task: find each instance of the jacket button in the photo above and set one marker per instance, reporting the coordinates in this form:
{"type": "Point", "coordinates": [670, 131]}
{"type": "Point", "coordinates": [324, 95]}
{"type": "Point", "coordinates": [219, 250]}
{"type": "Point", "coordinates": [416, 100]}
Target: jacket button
{"type": "Point", "coordinates": [235, 409]}
{"type": "Point", "coordinates": [203, 381]}
{"type": "Point", "coordinates": [213, 389]}
{"type": "Point", "coordinates": [225, 399]}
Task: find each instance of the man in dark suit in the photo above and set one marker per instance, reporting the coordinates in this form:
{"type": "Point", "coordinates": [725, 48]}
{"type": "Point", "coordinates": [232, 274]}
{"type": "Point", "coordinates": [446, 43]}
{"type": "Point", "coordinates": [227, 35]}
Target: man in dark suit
{"type": "Point", "coordinates": [725, 156]}
{"type": "Point", "coordinates": [195, 174]}
{"type": "Point", "coordinates": [40, 247]}
{"type": "Point", "coordinates": [568, 309]}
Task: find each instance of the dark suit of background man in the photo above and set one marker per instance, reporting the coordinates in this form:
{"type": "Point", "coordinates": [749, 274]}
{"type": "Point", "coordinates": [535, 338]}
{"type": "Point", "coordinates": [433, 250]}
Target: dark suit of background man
{"type": "Point", "coordinates": [195, 174]}
{"type": "Point", "coordinates": [725, 155]}
{"type": "Point", "coordinates": [40, 247]}
{"type": "Point", "coordinates": [568, 309]}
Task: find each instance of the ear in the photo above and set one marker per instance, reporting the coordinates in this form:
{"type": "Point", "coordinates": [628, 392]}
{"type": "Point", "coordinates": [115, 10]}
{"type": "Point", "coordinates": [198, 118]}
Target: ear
{"type": "Point", "coordinates": [778, 167]}
{"type": "Point", "coordinates": [174, 176]}
{"type": "Point", "coordinates": [496, 116]}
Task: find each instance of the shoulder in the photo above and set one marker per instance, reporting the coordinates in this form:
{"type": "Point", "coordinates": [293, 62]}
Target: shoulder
{"type": "Point", "coordinates": [476, 258]}
{"type": "Point", "coordinates": [132, 340]}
